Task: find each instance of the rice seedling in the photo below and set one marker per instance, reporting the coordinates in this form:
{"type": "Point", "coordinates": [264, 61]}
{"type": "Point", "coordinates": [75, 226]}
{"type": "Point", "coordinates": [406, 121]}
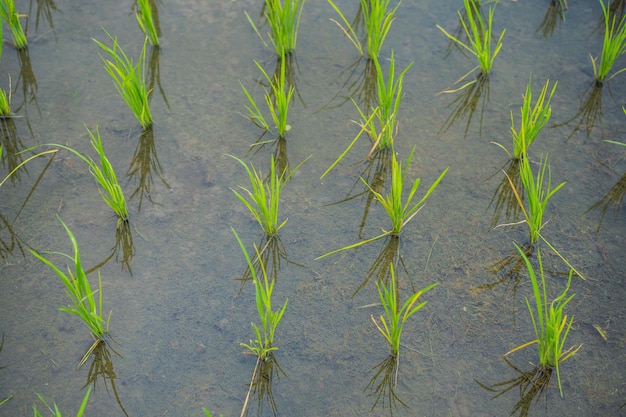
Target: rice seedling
{"type": "Point", "coordinates": [479, 37]}
{"type": "Point", "coordinates": [550, 323]}
{"type": "Point", "coordinates": [377, 19]}
{"type": "Point", "coordinates": [5, 103]}
{"type": "Point", "coordinates": [84, 303]}
{"type": "Point", "coordinates": [392, 326]}
{"type": "Point", "coordinates": [532, 120]}
{"type": "Point", "coordinates": [283, 17]}
{"type": "Point", "coordinates": [277, 98]}
{"type": "Point", "coordinates": [613, 46]}
{"type": "Point", "coordinates": [110, 188]}
{"type": "Point", "coordinates": [399, 212]}
{"type": "Point", "coordinates": [104, 174]}
{"type": "Point", "coordinates": [12, 17]}
{"type": "Point", "coordinates": [538, 194]}
{"type": "Point", "coordinates": [55, 410]}
{"type": "Point", "coordinates": [263, 345]}
{"type": "Point", "coordinates": [381, 124]}
{"type": "Point", "coordinates": [129, 79]}
{"type": "Point", "coordinates": [263, 199]}
{"type": "Point", "coordinates": [145, 18]}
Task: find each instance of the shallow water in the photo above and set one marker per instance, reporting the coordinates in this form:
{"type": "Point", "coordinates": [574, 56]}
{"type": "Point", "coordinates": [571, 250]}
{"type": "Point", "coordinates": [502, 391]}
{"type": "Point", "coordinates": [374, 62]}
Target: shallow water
{"type": "Point", "coordinates": [179, 317]}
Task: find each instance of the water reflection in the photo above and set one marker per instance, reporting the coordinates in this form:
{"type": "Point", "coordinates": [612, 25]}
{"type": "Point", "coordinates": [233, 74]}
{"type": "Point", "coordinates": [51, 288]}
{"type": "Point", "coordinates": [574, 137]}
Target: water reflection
{"type": "Point", "coordinates": [358, 86]}
{"type": "Point", "coordinates": [44, 12]}
{"type": "Point", "coordinates": [382, 384]}
{"type": "Point", "coordinates": [505, 197]}
{"type": "Point", "coordinates": [470, 97]}
{"type": "Point", "coordinates": [589, 113]}
{"type": "Point", "coordinates": [614, 197]}
{"type": "Point", "coordinates": [27, 81]}
{"type": "Point", "coordinates": [531, 385]}
{"type": "Point", "coordinates": [265, 371]}
{"type": "Point", "coordinates": [123, 250]}
{"type": "Point", "coordinates": [144, 164]}
{"type": "Point", "coordinates": [154, 73]}
{"type": "Point", "coordinates": [555, 14]}
{"type": "Point", "coordinates": [12, 145]}
{"type": "Point", "coordinates": [102, 367]}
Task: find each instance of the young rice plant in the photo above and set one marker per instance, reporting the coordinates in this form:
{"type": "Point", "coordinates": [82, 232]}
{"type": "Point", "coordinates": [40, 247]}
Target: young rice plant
{"type": "Point", "coordinates": [550, 323]}
{"type": "Point", "coordinates": [399, 212]}
{"type": "Point", "coordinates": [381, 124]}
{"type": "Point", "coordinates": [532, 120]}
{"type": "Point", "coordinates": [479, 34]}
{"type": "Point", "coordinates": [283, 16]}
{"type": "Point", "coordinates": [613, 46]}
{"type": "Point", "coordinates": [264, 342]}
{"type": "Point", "coordinates": [377, 18]}
{"type": "Point", "coordinates": [263, 199]}
{"type": "Point", "coordinates": [84, 303]}
{"type": "Point", "coordinates": [278, 98]}
{"type": "Point", "coordinates": [392, 326]}
{"type": "Point", "coordinates": [12, 17]}
{"type": "Point", "coordinates": [104, 174]}
{"type": "Point", "coordinates": [129, 79]}
{"type": "Point", "coordinates": [538, 193]}
{"type": "Point", "coordinates": [145, 18]}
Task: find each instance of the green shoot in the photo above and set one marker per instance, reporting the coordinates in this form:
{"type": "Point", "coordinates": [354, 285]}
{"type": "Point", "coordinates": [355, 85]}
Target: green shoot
{"type": "Point", "coordinates": [263, 199]}
{"type": "Point", "coordinates": [537, 194]}
{"type": "Point", "coordinates": [389, 99]}
{"type": "Point", "coordinates": [5, 101]}
{"type": "Point", "coordinates": [145, 18]}
{"type": "Point", "coordinates": [381, 124]}
{"type": "Point", "coordinates": [479, 36]}
{"type": "Point", "coordinates": [613, 46]}
{"type": "Point", "coordinates": [84, 303]}
{"type": "Point", "coordinates": [348, 30]}
{"type": "Point", "coordinates": [532, 120]}
{"type": "Point", "coordinates": [399, 213]}
{"type": "Point", "coordinates": [12, 17]}
{"type": "Point", "coordinates": [55, 412]}
{"type": "Point", "coordinates": [129, 79]}
{"type": "Point", "coordinates": [283, 17]}
{"type": "Point", "coordinates": [21, 164]}
{"type": "Point", "coordinates": [110, 188]}
{"type": "Point", "coordinates": [278, 99]}
{"type": "Point", "coordinates": [550, 323]}
{"type": "Point", "coordinates": [264, 342]}
{"type": "Point", "coordinates": [104, 174]}
{"type": "Point", "coordinates": [377, 17]}
{"type": "Point", "coordinates": [392, 326]}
